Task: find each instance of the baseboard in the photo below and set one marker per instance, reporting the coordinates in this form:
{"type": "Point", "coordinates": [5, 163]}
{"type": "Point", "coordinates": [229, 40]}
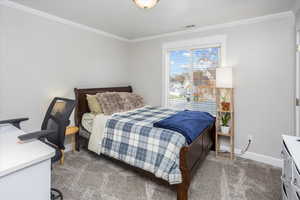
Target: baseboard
{"type": "Point", "coordinates": [248, 155]}
{"type": "Point", "coordinates": [256, 157]}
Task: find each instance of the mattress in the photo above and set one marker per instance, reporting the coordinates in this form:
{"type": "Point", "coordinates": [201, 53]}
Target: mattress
{"type": "Point", "coordinates": [93, 129]}
{"type": "Point", "coordinates": [87, 121]}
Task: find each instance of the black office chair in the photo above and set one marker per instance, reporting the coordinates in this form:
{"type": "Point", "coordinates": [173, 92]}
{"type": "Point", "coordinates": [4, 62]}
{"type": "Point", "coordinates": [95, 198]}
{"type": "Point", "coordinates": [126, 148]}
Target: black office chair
{"type": "Point", "coordinates": [53, 130]}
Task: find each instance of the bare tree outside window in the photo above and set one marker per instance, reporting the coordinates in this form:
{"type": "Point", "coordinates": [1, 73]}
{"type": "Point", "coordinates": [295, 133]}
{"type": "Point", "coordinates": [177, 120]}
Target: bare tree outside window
{"type": "Point", "coordinates": [193, 78]}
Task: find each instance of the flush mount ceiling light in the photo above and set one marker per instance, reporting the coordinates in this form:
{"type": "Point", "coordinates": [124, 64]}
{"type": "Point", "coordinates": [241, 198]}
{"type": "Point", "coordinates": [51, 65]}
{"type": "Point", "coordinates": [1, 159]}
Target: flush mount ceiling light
{"type": "Point", "coordinates": [146, 4]}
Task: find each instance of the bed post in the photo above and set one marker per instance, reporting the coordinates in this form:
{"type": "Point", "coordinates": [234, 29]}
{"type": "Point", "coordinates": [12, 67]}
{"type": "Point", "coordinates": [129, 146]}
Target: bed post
{"type": "Point", "coordinates": [76, 114]}
{"type": "Point", "coordinates": [182, 189]}
{"type": "Point", "coordinates": [182, 192]}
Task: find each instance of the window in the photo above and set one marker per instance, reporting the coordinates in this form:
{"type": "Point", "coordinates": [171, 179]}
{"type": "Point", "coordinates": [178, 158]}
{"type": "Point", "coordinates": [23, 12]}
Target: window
{"type": "Point", "coordinates": [191, 77]}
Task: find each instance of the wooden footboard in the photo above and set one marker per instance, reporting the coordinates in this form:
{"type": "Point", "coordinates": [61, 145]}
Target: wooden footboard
{"type": "Point", "coordinates": [191, 157]}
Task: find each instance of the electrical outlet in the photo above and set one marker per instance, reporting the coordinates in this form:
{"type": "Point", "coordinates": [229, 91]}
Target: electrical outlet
{"type": "Point", "coordinates": [250, 137]}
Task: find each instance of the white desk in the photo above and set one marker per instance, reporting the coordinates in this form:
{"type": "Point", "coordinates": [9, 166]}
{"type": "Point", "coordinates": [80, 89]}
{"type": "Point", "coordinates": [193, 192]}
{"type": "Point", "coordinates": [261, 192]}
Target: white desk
{"type": "Point", "coordinates": [25, 169]}
{"type": "Point", "coordinates": [294, 147]}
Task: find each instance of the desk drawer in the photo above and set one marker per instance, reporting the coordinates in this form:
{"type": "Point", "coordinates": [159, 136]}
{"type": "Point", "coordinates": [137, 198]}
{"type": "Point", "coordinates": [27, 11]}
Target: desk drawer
{"type": "Point", "coordinates": [287, 164]}
{"type": "Point", "coordinates": [287, 191]}
{"type": "Point", "coordinates": [284, 192]}
{"type": "Point", "coordinates": [287, 171]}
{"type": "Point", "coordinates": [296, 177]}
{"type": "Point", "coordinates": [294, 195]}
{"type": "Point", "coordinates": [285, 154]}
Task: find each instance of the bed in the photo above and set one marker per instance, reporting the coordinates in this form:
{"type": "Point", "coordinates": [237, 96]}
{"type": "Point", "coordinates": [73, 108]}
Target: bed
{"type": "Point", "coordinates": [190, 156]}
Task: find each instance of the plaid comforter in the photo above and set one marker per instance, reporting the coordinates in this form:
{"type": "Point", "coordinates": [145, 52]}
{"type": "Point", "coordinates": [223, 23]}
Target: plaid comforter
{"type": "Point", "coordinates": [131, 137]}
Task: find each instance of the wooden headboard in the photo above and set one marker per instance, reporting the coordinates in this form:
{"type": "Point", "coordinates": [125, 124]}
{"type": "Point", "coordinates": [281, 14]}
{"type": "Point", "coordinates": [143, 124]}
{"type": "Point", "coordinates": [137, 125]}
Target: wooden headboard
{"type": "Point", "coordinates": [82, 105]}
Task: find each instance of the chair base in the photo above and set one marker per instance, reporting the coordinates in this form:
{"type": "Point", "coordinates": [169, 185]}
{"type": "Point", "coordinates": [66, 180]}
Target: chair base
{"type": "Point", "coordinates": [56, 194]}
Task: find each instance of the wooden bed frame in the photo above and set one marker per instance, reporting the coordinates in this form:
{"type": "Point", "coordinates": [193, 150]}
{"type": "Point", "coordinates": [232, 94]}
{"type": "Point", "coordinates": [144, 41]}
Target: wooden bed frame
{"type": "Point", "coordinates": [191, 156]}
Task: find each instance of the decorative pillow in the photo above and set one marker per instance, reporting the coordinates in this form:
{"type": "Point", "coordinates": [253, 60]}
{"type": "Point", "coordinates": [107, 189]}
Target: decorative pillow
{"type": "Point", "coordinates": [110, 102]}
{"type": "Point", "coordinates": [113, 102]}
{"type": "Point", "coordinates": [93, 104]}
{"type": "Point", "coordinates": [132, 101]}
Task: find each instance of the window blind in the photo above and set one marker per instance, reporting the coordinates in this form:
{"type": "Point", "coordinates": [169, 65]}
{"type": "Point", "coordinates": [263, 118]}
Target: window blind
{"type": "Point", "coordinates": [192, 78]}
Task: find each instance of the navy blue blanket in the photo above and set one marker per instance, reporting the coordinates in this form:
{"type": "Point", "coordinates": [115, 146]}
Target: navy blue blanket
{"type": "Point", "coordinates": [189, 123]}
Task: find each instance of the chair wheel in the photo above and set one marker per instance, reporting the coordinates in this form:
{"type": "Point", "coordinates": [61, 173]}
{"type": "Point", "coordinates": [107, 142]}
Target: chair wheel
{"type": "Point", "coordinates": [56, 194]}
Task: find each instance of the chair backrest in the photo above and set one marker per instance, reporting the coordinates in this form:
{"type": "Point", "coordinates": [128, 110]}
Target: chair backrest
{"type": "Point", "coordinates": [57, 119]}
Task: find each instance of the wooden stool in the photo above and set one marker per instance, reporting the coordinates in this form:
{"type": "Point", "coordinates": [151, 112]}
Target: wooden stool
{"type": "Point", "coordinates": [72, 131]}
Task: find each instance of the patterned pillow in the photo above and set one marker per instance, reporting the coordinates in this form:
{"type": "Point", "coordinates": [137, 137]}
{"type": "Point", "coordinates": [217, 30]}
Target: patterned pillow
{"type": "Point", "coordinates": [93, 104]}
{"type": "Point", "coordinates": [110, 102]}
{"type": "Point", "coordinates": [113, 102]}
{"type": "Point", "coordinates": [132, 101]}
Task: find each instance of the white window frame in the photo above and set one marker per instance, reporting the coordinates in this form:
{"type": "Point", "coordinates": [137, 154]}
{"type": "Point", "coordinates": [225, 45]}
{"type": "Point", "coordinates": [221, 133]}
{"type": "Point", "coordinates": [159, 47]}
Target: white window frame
{"type": "Point", "coordinates": [298, 83]}
{"type": "Point", "coordinates": [205, 42]}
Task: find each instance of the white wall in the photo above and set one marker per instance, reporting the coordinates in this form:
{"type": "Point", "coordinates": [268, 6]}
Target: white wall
{"type": "Point", "coordinates": [262, 55]}
{"type": "Point", "coordinates": [1, 59]}
{"type": "Point", "coordinates": [43, 59]}
{"type": "Point", "coordinates": [298, 20]}
{"type": "Point", "coordinates": [296, 10]}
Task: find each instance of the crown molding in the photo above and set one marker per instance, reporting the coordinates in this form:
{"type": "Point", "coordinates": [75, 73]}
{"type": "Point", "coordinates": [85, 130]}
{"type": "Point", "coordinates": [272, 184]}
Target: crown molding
{"type": "Point", "coordinates": [10, 4]}
{"type": "Point", "coordinates": [288, 14]}
{"type": "Point", "coordinates": [51, 17]}
{"type": "Point", "coordinates": [296, 6]}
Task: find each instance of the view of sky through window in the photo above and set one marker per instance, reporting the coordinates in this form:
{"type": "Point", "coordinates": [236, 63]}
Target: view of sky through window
{"type": "Point", "coordinates": [192, 78]}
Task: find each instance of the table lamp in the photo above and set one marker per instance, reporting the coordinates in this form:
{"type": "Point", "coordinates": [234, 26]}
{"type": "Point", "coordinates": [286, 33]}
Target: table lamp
{"type": "Point", "coordinates": [224, 77]}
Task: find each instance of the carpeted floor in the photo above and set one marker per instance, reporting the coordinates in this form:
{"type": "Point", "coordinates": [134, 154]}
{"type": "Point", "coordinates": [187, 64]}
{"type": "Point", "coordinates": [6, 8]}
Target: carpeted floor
{"type": "Point", "coordinates": [86, 176]}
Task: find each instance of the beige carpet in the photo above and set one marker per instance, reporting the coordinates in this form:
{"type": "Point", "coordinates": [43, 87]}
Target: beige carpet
{"type": "Point", "coordinates": [86, 176]}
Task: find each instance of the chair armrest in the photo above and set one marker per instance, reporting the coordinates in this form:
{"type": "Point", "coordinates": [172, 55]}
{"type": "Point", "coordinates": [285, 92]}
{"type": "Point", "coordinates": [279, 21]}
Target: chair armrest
{"type": "Point", "coordinates": [36, 135]}
{"type": "Point", "coordinates": [14, 122]}
{"type": "Point", "coordinates": [45, 133]}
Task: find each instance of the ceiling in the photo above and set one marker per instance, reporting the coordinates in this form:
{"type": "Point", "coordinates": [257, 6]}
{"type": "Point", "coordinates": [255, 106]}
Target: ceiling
{"type": "Point", "coordinates": [124, 19]}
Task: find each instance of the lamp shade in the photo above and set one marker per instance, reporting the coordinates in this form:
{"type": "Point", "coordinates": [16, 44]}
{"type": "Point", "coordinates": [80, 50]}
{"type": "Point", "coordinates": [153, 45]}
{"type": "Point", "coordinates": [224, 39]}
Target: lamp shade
{"type": "Point", "coordinates": [224, 77]}
{"type": "Point", "coordinates": [146, 4]}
